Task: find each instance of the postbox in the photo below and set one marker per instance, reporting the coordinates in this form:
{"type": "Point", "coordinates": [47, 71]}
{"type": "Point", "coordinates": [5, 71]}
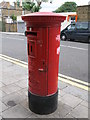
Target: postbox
{"type": "Point", "coordinates": [43, 42]}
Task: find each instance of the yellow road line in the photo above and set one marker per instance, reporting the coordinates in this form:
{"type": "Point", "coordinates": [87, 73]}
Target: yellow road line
{"type": "Point", "coordinates": [61, 77]}
{"type": "Point", "coordinates": [74, 84]}
{"type": "Point", "coordinates": [73, 79]}
{"type": "Point", "coordinates": [15, 62]}
{"type": "Point", "coordinates": [13, 59]}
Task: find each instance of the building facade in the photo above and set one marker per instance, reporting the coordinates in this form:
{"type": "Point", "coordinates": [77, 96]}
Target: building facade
{"type": "Point", "coordinates": [6, 12]}
{"type": "Point", "coordinates": [83, 13]}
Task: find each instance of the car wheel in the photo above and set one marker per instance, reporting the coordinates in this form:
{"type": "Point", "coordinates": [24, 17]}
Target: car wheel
{"type": "Point", "coordinates": [63, 37]}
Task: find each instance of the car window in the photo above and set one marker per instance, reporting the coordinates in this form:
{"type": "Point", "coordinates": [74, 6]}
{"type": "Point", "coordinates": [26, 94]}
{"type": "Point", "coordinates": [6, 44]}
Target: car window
{"type": "Point", "coordinates": [82, 26]}
{"type": "Point", "coordinates": [89, 26]}
{"type": "Point", "coordinates": [71, 27]}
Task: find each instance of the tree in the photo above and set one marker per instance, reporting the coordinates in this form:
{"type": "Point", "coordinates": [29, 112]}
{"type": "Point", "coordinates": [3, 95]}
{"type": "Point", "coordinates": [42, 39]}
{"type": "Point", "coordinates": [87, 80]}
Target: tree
{"type": "Point", "coordinates": [30, 6]}
{"type": "Point", "coordinates": [67, 7]}
{"type": "Point", "coordinates": [33, 5]}
{"type": "Point", "coordinates": [14, 18]}
{"type": "Point", "coordinates": [18, 3]}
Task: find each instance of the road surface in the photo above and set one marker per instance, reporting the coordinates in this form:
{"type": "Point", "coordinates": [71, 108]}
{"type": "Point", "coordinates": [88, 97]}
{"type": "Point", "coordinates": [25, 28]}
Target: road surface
{"type": "Point", "coordinates": [73, 60]}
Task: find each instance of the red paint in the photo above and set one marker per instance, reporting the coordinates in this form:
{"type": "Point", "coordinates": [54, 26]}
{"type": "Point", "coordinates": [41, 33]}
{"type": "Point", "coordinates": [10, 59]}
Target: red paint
{"type": "Point", "coordinates": [43, 30]}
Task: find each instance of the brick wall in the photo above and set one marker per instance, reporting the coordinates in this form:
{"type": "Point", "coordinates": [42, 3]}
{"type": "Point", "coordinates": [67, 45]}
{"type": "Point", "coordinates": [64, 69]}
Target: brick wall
{"type": "Point", "coordinates": [27, 12]}
{"type": "Point", "coordinates": [83, 13]}
{"type": "Point", "coordinates": [17, 12]}
{"type": "Point", "coordinates": [9, 12]}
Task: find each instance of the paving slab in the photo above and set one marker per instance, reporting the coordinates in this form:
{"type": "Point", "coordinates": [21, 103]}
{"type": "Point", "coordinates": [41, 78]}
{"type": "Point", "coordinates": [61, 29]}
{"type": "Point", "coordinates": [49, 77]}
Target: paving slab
{"type": "Point", "coordinates": [3, 107]}
{"type": "Point", "coordinates": [9, 80]}
{"type": "Point", "coordinates": [18, 69]}
{"type": "Point", "coordinates": [10, 88]}
{"type": "Point", "coordinates": [0, 117]}
{"type": "Point", "coordinates": [89, 114]}
{"type": "Point", "coordinates": [6, 64]}
{"type": "Point", "coordinates": [1, 84]}
{"type": "Point", "coordinates": [16, 112]}
{"type": "Point", "coordinates": [22, 83]}
{"type": "Point", "coordinates": [2, 94]}
{"type": "Point", "coordinates": [62, 85]}
{"type": "Point", "coordinates": [80, 112]}
{"type": "Point", "coordinates": [89, 96]}
{"type": "Point", "coordinates": [69, 116]}
{"type": "Point", "coordinates": [15, 97]}
{"type": "Point", "coordinates": [71, 100]}
{"type": "Point", "coordinates": [13, 69]}
{"type": "Point", "coordinates": [23, 92]}
{"type": "Point", "coordinates": [20, 76]}
{"type": "Point", "coordinates": [86, 104]}
{"type": "Point", "coordinates": [59, 98]}
{"type": "Point", "coordinates": [61, 92]}
{"type": "Point", "coordinates": [24, 103]}
{"type": "Point", "coordinates": [0, 106]}
{"type": "Point", "coordinates": [77, 92]}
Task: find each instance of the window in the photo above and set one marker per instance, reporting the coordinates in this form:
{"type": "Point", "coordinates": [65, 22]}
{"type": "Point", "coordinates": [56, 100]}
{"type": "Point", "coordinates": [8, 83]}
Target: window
{"type": "Point", "coordinates": [73, 18]}
{"type": "Point", "coordinates": [82, 26]}
{"type": "Point", "coordinates": [71, 27]}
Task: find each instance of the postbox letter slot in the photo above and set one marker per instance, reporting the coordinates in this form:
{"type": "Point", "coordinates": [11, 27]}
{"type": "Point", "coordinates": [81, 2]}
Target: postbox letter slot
{"type": "Point", "coordinates": [33, 33]}
{"type": "Point", "coordinates": [30, 33]}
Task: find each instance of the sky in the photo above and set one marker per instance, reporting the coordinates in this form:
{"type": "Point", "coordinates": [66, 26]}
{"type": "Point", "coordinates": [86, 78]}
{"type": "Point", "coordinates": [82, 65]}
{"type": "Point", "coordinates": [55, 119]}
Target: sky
{"type": "Point", "coordinates": [47, 7]}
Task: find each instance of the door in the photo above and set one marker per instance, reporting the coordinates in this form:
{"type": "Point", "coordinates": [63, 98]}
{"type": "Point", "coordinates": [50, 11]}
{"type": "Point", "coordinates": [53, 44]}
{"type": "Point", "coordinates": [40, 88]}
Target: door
{"type": "Point", "coordinates": [70, 32]}
{"type": "Point", "coordinates": [37, 47]}
{"type": "Point", "coordinates": [82, 31]}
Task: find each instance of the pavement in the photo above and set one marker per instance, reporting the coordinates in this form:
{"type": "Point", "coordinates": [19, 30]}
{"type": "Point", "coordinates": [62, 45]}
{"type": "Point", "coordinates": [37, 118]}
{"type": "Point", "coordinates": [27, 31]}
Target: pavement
{"type": "Point", "coordinates": [12, 33]}
{"type": "Point", "coordinates": [73, 102]}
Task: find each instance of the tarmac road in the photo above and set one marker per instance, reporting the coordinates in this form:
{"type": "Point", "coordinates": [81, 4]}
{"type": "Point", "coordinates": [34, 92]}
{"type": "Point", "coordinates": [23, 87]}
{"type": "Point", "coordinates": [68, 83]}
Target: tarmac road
{"type": "Point", "coordinates": [73, 55]}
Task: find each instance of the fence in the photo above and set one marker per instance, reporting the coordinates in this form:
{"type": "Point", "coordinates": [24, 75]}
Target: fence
{"type": "Point", "coordinates": [11, 27]}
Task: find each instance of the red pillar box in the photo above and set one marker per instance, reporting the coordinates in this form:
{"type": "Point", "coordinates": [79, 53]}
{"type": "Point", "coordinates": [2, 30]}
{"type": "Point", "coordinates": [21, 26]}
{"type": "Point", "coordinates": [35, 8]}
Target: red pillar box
{"type": "Point", "coordinates": [43, 41]}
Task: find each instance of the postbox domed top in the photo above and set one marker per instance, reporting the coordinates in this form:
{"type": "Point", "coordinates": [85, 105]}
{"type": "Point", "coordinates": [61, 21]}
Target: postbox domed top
{"type": "Point", "coordinates": [42, 14]}
{"type": "Point", "coordinates": [43, 18]}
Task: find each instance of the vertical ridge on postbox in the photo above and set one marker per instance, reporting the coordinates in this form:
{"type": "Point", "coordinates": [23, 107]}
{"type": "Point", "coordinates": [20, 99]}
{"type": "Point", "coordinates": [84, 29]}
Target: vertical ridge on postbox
{"type": "Point", "coordinates": [53, 62]}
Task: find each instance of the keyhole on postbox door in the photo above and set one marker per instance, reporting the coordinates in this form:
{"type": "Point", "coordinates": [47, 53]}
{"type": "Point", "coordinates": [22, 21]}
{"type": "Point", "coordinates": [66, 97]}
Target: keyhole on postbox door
{"type": "Point", "coordinates": [43, 62]}
{"type": "Point", "coordinates": [31, 48]}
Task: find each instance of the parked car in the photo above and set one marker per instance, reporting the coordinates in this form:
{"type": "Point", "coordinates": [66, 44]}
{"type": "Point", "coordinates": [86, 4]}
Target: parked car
{"type": "Point", "coordinates": [79, 31]}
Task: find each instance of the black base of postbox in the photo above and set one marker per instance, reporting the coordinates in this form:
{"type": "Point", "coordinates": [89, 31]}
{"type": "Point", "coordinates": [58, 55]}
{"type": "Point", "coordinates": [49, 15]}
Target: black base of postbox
{"type": "Point", "coordinates": [43, 105]}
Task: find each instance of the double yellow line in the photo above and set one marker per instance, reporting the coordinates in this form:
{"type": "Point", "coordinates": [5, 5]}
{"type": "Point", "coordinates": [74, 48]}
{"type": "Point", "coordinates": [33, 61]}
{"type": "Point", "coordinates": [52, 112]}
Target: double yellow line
{"type": "Point", "coordinates": [14, 61]}
{"type": "Point", "coordinates": [72, 81]}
